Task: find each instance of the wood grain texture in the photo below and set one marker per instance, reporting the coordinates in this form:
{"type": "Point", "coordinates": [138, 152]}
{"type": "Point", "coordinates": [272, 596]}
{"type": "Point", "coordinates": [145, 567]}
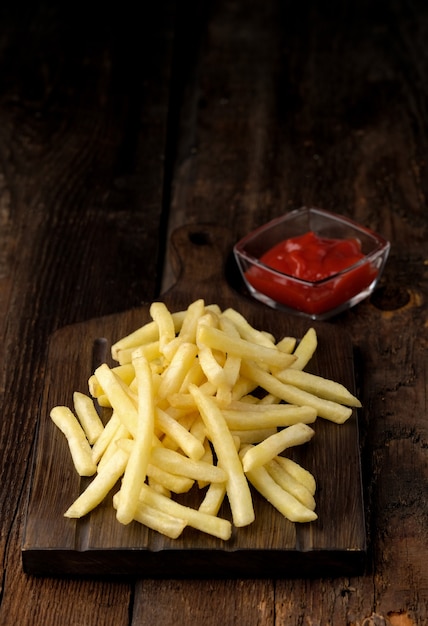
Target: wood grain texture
{"type": "Point", "coordinates": [82, 165]}
{"type": "Point", "coordinates": [342, 125]}
{"type": "Point", "coordinates": [271, 546]}
{"type": "Point", "coordinates": [281, 104]}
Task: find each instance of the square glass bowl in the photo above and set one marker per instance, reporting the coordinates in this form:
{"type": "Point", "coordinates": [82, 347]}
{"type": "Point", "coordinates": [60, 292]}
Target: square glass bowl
{"type": "Point", "coordinates": [320, 299]}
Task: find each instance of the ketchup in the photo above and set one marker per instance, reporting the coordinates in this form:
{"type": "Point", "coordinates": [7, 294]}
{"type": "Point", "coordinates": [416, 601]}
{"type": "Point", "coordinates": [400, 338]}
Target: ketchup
{"type": "Point", "coordinates": [312, 259]}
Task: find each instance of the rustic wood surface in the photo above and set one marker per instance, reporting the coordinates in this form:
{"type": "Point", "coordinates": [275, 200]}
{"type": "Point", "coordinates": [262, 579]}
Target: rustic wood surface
{"type": "Point", "coordinates": [116, 128]}
{"type": "Point", "coordinates": [270, 547]}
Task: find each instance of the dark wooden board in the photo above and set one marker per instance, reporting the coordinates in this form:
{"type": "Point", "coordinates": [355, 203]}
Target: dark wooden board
{"type": "Point", "coordinates": [272, 546]}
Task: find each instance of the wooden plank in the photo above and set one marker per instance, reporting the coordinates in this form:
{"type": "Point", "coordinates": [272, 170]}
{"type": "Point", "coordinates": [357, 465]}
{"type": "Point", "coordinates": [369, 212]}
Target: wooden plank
{"type": "Point", "coordinates": [84, 108]}
{"type": "Point", "coordinates": [329, 110]}
{"type": "Point", "coordinates": [98, 545]}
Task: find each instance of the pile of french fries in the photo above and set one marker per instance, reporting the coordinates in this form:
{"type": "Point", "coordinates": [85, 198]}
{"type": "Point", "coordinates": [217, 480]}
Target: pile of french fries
{"type": "Point", "coordinates": [200, 399]}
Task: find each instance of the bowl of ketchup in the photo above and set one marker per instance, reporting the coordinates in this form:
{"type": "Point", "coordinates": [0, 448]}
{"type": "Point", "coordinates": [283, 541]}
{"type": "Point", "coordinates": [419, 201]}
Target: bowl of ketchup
{"type": "Point", "coordinates": [311, 262]}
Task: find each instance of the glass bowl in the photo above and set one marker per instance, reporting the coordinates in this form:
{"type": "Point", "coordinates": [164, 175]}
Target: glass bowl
{"type": "Point", "coordinates": [319, 299]}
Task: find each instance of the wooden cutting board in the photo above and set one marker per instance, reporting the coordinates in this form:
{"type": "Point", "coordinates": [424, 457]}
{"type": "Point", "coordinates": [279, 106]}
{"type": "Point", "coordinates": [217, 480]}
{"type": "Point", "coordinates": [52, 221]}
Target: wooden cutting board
{"type": "Point", "coordinates": [99, 546]}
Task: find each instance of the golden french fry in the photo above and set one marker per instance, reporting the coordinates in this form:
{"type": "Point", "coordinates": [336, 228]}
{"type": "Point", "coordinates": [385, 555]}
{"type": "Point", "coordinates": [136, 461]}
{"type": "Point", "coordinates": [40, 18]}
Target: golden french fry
{"type": "Point", "coordinates": [181, 465]}
{"type": "Point", "coordinates": [119, 396]}
{"type": "Point", "coordinates": [213, 499]}
{"type": "Point", "coordinates": [218, 339]}
{"type": "Point", "coordinates": [184, 439]}
{"type": "Point", "coordinates": [262, 453]}
{"type": "Point", "coordinates": [253, 435]}
{"type": "Point", "coordinates": [211, 367]}
{"type": "Point", "coordinates": [198, 429]}
{"type": "Point", "coordinates": [78, 444]}
{"type": "Point", "coordinates": [121, 434]}
{"type": "Point", "coordinates": [299, 473]}
{"type": "Point", "coordinates": [269, 399]}
{"type": "Point", "coordinates": [100, 486]}
{"type": "Point", "coordinates": [210, 524]}
{"type": "Point", "coordinates": [268, 416]}
{"type": "Point", "coordinates": [305, 349]}
{"type": "Point", "coordinates": [158, 487]}
{"type": "Point", "coordinates": [325, 408]}
{"type": "Point", "coordinates": [186, 402]}
{"type": "Point", "coordinates": [243, 387]}
{"type": "Point", "coordinates": [287, 344]}
{"type": "Point", "coordinates": [233, 362]}
{"type": "Point", "coordinates": [247, 331]}
{"type": "Point", "coordinates": [171, 482]}
{"type": "Point", "coordinates": [290, 484]}
{"type": "Point", "coordinates": [172, 377]}
{"type": "Point", "coordinates": [283, 501]}
{"type": "Point", "coordinates": [238, 492]}
{"type": "Point", "coordinates": [195, 376]}
{"type": "Point", "coordinates": [125, 372]}
{"type": "Point", "coordinates": [155, 519]}
{"type": "Point", "coordinates": [208, 458]}
{"type": "Point", "coordinates": [319, 386]}
{"type": "Point", "coordinates": [147, 333]}
{"type": "Point", "coordinates": [105, 438]}
{"type": "Point", "coordinates": [187, 333]}
{"type": "Point", "coordinates": [150, 350]}
{"type": "Point", "coordinates": [88, 416]}
{"type": "Point", "coordinates": [165, 322]}
{"type": "Point", "coordinates": [136, 468]}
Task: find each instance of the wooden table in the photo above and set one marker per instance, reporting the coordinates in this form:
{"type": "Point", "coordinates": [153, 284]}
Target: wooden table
{"type": "Point", "coordinates": [116, 128]}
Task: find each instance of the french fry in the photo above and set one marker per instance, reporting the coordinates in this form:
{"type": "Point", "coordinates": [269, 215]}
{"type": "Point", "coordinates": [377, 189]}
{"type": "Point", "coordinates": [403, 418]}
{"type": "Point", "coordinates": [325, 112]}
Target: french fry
{"type": "Point", "coordinates": [213, 499]}
{"type": "Point", "coordinates": [155, 519]}
{"type": "Point", "coordinates": [88, 416]}
{"type": "Point", "coordinates": [211, 367]}
{"type": "Point", "coordinates": [121, 434]}
{"type": "Point", "coordinates": [158, 487]}
{"type": "Point", "coordinates": [283, 501]}
{"type": "Point", "coordinates": [247, 331]}
{"type": "Point", "coordinates": [78, 444]}
{"type": "Point", "coordinates": [198, 429]}
{"type": "Point", "coordinates": [305, 349]}
{"type": "Point", "coordinates": [125, 372]}
{"type": "Point", "coordinates": [287, 344]}
{"type": "Point", "coordinates": [325, 408]}
{"type": "Point", "coordinates": [262, 453]}
{"type": "Point", "coordinates": [319, 386]}
{"type": "Point", "coordinates": [100, 486]}
{"type": "Point", "coordinates": [105, 438]}
{"type": "Point", "coordinates": [184, 439]}
{"type": "Point", "coordinates": [216, 338]}
{"type": "Point", "coordinates": [210, 524]}
{"type": "Point", "coordinates": [120, 399]}
{"type": "Point", "coordinates": [233, 362]}
{"type": "Point", "coordinates": [195, 375]}
{"type": "Point", "coordinates": [187, 333]}
{"type": "Point", "coordinates": [165, 322]}
{"type": "Point", "coordinates": [147, 333]}
{"type": "Point", "coordinates": [171, 482]}
{"type": "Point", "coordinates": [277, 415]}
{"type": "Point", "coordinates": [136, 467]}
{"type": "Point", "coordinates": [253, 435]}
{"type": "Point", "coordinates": [172, 378]}
{"type": "Point", "coordinates": [290, 484]}
{"type": "Point", "coordinates": [177, 463]}
{"type": "Point", "coordinates": [237, 488]}
{"type": "Point", "coordinates": [299, 473]}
